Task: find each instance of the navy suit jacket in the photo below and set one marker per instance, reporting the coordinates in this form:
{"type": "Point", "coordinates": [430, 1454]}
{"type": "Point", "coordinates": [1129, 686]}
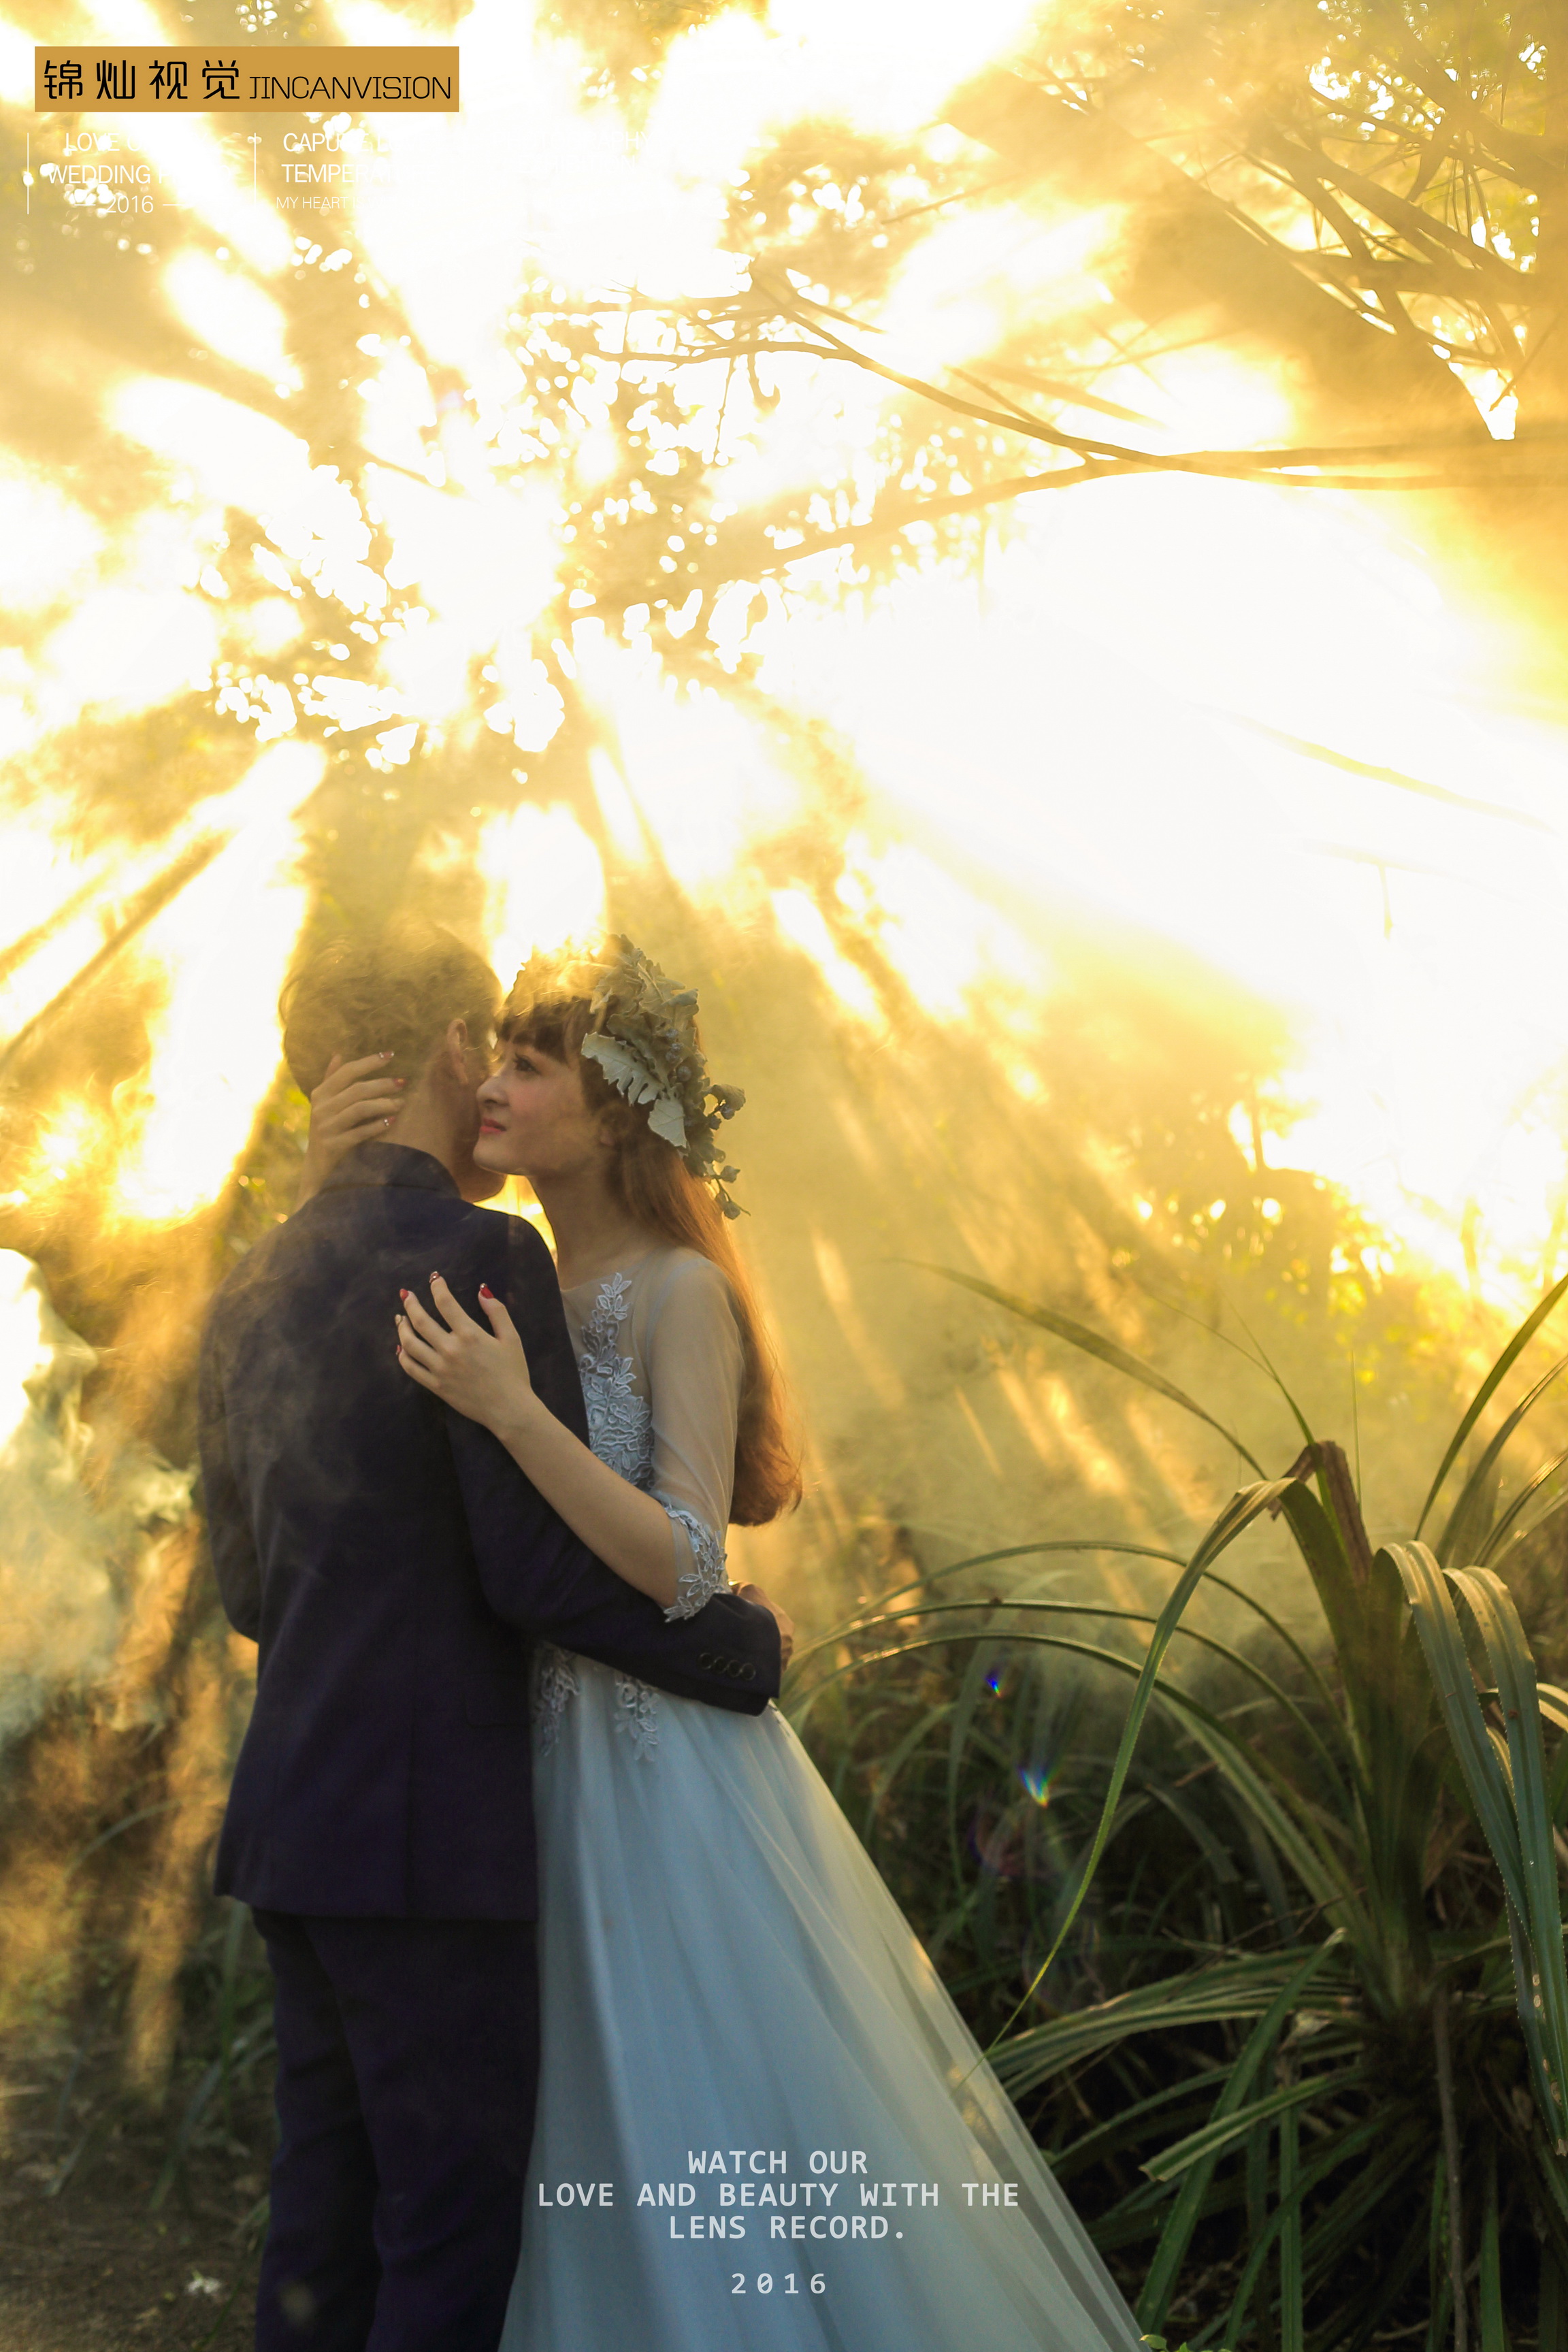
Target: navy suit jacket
{"type": "Point", "coordinates": [394, 1563]}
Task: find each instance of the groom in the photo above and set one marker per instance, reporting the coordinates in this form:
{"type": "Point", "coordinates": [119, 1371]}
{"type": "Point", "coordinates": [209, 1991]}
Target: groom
{"type": "Point", "coordinates": [393, 1564]}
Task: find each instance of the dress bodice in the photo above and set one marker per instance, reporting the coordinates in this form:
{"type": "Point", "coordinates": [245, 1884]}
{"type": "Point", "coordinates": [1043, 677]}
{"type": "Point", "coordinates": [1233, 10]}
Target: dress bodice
{"type": "Point", "coordinates": [620, 1420]}
{"type": "Point", "coordinates": [660, 1356]}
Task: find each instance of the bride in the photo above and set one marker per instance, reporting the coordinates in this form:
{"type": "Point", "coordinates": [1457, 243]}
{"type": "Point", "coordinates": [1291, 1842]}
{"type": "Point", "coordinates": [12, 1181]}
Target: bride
{"type": "Point", "coordinates": [762, 2121]}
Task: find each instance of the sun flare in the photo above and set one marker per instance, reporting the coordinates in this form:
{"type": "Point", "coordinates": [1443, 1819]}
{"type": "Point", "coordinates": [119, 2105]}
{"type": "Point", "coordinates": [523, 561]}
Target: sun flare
{"type": "Point", "coordinates": [1243, 724]}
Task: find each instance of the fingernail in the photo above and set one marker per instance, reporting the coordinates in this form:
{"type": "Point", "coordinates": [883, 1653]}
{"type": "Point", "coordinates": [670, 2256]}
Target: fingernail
{"type": "Point", "coordinates": [484, 1290]}
{"type": "Point", "coordinates": [403, 1293]}
{"type": "Point", "coordinates": [400, 1082]}
{"type": "Point", "coordinates": [434, 1277]}
{"type": "Point", "coordinates": [386, 1057]}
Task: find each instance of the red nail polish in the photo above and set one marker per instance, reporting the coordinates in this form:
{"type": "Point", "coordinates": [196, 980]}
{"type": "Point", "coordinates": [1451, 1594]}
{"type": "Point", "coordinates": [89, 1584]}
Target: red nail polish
{"type": "Point", "coordinates": [403, 1293]}
{"type": "Point", "coordinates": [484, 1290]}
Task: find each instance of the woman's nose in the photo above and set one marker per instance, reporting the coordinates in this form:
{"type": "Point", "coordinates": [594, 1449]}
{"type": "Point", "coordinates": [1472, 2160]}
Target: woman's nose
{"type": "Point", "coordinates": [489, 1091]}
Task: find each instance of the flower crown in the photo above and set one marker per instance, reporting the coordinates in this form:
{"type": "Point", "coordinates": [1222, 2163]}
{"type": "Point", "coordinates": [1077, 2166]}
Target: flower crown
{"type": "Point", "coordinates": [644, 1038]}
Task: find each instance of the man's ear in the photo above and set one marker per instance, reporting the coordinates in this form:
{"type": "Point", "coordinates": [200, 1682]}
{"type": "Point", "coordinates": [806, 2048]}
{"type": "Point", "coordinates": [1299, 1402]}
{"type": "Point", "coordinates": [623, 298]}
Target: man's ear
{"type": "Point", "coordinates": [454, 1051]}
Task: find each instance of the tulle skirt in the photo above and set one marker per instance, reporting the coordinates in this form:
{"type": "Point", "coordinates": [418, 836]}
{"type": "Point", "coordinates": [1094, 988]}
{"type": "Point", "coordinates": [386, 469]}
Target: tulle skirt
{"type": "Point", "coordinates": [762, 2122]}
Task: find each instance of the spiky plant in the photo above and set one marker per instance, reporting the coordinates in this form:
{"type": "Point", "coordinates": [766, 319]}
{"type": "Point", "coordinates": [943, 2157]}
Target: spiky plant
{"type": "Point", "coordinates": [1365, 2078]}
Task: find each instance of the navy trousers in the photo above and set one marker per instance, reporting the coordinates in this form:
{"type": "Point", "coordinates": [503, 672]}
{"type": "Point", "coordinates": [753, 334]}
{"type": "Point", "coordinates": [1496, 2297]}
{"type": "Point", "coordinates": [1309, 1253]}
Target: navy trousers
{"type": "Point", "coordinates": [408, 2070]}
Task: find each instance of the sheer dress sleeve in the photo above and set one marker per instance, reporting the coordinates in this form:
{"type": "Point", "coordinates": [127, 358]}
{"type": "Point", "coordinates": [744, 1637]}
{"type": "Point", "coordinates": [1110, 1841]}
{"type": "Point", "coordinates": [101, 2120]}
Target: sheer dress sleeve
{"type": "Point", "coordinates": [692, 1363]}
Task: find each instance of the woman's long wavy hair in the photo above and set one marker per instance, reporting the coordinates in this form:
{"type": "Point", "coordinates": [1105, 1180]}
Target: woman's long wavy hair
{"type": "Point", "coordinates": [655, 1186]}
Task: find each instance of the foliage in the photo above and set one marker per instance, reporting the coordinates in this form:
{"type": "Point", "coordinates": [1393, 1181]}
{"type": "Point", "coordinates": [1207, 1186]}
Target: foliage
{"type": "Point", "coordinates": [1333, 2061]}
{"type": "Point", "coordinates": [202, 2156]}
{"type": "Point", "coordinates": [1354, 198]}
{"type": "Point", "coordinates": [1358, 197]}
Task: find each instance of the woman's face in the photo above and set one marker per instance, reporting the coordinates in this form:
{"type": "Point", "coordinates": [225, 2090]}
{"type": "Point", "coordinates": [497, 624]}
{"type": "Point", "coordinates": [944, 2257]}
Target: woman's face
{"type": "Point", "coordinates": [533, 1121]}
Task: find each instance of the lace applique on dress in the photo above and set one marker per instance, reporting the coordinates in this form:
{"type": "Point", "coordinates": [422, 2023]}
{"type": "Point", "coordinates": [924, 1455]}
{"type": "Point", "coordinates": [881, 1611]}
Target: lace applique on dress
{"type": "Point", "coordinates": [637, 1716]}
{"type": "Point", "coordinates": [554, 1682]}
{"type": "Point", "coordinates": [620, 1422]}
{"type": "Point", "coordinates": [696, 1585]}
{"type": "Point", "coordinates": [620, 1431]}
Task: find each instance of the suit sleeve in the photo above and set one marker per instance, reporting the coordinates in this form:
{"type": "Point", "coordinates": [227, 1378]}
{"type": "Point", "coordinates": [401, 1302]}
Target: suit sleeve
{"type": "Point", "coordinates": [541, 1578]}
{"type": "Point", "coordinates": [234, 1561]}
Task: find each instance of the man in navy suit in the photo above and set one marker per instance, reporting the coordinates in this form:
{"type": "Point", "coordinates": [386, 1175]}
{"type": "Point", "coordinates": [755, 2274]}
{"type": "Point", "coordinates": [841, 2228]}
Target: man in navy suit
{"type": "Point", "coordinates": [393, 1564]}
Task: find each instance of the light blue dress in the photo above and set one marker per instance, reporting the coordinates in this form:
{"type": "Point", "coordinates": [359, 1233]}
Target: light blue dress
{"type": "Point", "coordinates": [762, 2123]}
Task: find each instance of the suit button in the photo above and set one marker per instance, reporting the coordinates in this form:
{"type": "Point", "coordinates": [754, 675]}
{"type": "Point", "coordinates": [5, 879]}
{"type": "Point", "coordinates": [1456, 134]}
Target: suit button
{"type": "Point", "coordinates": [706, 1660]}
{"type": "Point", "coordinates": [748, 1674]}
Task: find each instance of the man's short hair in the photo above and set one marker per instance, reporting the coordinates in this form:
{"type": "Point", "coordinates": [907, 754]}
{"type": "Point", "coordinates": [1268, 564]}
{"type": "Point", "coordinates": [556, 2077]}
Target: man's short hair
{"type": "Point", "coordinates": [397, 990]}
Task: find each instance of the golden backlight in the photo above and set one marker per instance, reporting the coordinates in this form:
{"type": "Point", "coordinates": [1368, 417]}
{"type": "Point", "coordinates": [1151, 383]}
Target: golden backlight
{"type": "Point", "coordinates": [1110, 721]}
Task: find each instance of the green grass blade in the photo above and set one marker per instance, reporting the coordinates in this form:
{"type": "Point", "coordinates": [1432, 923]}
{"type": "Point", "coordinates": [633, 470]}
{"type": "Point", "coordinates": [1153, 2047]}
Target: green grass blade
{"type": "Point", "coordinates": [1388, 2165]}
{"type": "Point", "coordinates": [1483, 1396]}
{"type": "Point", "coordinates": [1359, 2320]}
{"type": "Point", "coordinates": [1336, 2230]}
{"type": "Point", "coordinates": [1327, 1564]}
{"type": "Point", "coordinates": [922, 1612]}
{"type": "Point", "coordinates": [1427, 1594]}
{"type": "Point", "coordinates": [893, 1763]}
{"type": "Point", "coordinates": [1494, 2335]}
{"type": "Point", "coordinates": [1298, 1836]}
{"type": "Point", "coordinates": [1259, 2149]}
{"type": "Point", "coordinates": [1505, 1530]}
{"type": "Point", "coordinates": [1266, 1363]}
{"type": "Point", "coordinates": [1220, 1993]}
{"type": "Point", "coordinates": [1437, 2289]}
{"type": "Point", "coordinates": [884, 1600]}
{"type": "Point", "coordinates": [1553, 2317]}
{"type": "Point", "coordinates": [1292, 2295]}
{"type": "Point", "coordinates": [1232, 2120]}
{"type": "Point", "coordinates": [1204, 2148]}
{"type": "Point", "coordinates": [974, 1681]}
{"type": "Point", "coordinates": [1130, 2125]}
{"type": "Point", "coordinates": [1093, 1343]}
{"type": "Point", "coordinates": [1387, 1697]}
{"type": "Point", "coordinates": [881, 1609]}
{"type": "Point", "coordinates": [1317, 1846]}
{"type": "Point", "coordinates": [1237, 1515]}
{"type": "Point", "coordinates": [1529, 2021]}
{"type": "Point", "coordinates": [1508, 1653]}
{"type": "Point", "coordinates": [1220, 1861]}
{"type": "Point", "coordinates": [1460, 1537]}
{"type": "Point", "coordinates": [1309, 1667]}
{"type": "Point", "coordinates": [1513, 1806]}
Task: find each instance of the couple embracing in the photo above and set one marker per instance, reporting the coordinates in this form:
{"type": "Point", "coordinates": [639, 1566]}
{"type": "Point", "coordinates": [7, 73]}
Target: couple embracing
{"type": "Point", "coordinates": [550, 1892]}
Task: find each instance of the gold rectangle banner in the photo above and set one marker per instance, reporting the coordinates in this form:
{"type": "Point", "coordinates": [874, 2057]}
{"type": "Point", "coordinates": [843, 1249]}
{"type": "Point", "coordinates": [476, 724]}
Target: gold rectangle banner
{"type": "Point", "coordinates": [274, 78]}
